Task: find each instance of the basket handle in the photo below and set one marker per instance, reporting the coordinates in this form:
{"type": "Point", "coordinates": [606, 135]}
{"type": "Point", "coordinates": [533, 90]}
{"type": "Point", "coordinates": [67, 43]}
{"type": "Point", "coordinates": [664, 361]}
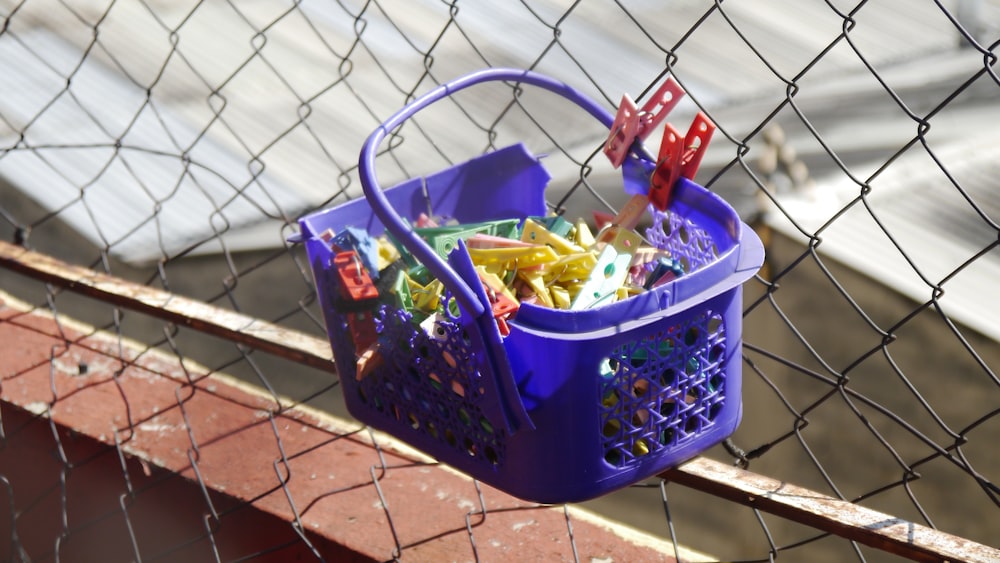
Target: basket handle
{"type": "Point", "coordinates": [394, 224]}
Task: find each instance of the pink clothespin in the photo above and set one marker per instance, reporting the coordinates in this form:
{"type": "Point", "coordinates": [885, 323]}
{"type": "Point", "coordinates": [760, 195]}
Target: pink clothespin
{"type": "Point", "coordinates": [679, 156]}
{"type": "Point", "coordinates": [660, 104]}
{"type": "Point", "coordinates": [632, 123]}
{"type": "Point", "coordinates": [623, 131]}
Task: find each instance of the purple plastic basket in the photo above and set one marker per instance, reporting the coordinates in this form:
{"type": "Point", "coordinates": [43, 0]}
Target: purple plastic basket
{"type": "Point", "coordinates": [571, 404]}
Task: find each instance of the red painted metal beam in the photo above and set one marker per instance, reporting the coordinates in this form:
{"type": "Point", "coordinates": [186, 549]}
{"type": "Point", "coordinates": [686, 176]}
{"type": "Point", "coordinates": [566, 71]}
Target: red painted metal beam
{"type": "Point", "coordinates": [782, 499]}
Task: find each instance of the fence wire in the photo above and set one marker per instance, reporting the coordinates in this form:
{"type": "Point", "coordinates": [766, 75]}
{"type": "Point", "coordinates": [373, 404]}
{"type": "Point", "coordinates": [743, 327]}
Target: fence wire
{"type": "Point", "coordinates": [176, 143]}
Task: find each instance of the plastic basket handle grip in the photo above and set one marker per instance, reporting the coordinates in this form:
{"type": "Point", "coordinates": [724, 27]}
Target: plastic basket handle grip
{"type": "Point", "coordinates": [392, 221]}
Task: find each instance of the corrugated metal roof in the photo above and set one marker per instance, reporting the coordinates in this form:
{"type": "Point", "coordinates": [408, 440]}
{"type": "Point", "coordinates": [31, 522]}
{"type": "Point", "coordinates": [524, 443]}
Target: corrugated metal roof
{"type": "Point", "coordinates": [937, 226]}
{"type": "Point", "coordinates": [140, 202]}
{"type": "Point", "coordinates": [304, 112]}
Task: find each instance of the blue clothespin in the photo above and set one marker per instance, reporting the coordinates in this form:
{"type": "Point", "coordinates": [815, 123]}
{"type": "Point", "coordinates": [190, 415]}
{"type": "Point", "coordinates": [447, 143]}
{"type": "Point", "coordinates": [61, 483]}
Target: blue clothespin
{"type": "Point", "coordinates": [358, 240]}
{"type": "Point", "coordinates": [665, 270]}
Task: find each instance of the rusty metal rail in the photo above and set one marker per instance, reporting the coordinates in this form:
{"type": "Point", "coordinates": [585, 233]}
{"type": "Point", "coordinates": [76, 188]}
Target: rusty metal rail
{"type": "Point", "coordinates": [217, 321]}
{"type": "Point", "coordinates": [832, 515]}
{"type": "Point", "coordinates": [828, 514]}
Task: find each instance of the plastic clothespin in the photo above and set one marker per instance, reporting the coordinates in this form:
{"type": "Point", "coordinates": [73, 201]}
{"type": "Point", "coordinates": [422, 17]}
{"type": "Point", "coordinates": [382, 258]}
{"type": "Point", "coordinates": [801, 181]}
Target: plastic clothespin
{"type": "Point", "coordinates": [633, 123]}
{"type": "Point", "coordinates": [423, 220]}
{"type": "Point", "coordinates": [360, 294]}
{"type": "Point", "coordinates": [555, 224]}
{"type": "Point", "coordinates": [533, 281]}
{"type": "Point", "coordinates": [387, 253]}
{"type": "Point", "coordinates": [611, 270]}
{"type": "Point", "coordinates": [355, 283]}
{"type": "Point", "coordinates": [327, 235]}
{"type": "Point", "coordinates": [602, 219]}
{"type": "Point", "coordinates": [484, 241]}
{"type": "Point", "coordinates": [643, 263]}
{"type": "Point", "coordinates": [560, 297]}
{"type": "Point", "coordinates": [368, 361]}
{"type": "Point", "coordinates": [494, 283]}
{"type": "Point", "coordinates": [444, 239]}
{"type": "Point", "coordinates": [401, 291]}
{"type": "Point", "coordinates": [630, 213]}
{"type": "Point", "coordinates": [501, 304]}
{"type": "Point", "coordinates": [658, 106]}
{"type": "Point", "coordinates": [696, 141]}
{"type": "Point", "coordinates": [665, 271]}
{"type": "Point", "coordinates": [358, 240]}
{"type": "Point", "coordinates": [584, 237]}
{"type": "Point", "coordinates": [537, 234]}
{"type": "Point", "coordinates": [570, 267]}
{"type": "Point", "coordinates": [362, 327]}
{"type": "Point", "coordinates": [525, 257]}
{"type": "Point", "coordinates": [427, 298]}
{"type": "Point", "coordinates": [623, 131]}
{"type": "Point", "coordinates": [627, 218]}
{"type": "Point", "coordinates": [667, 169]}
{"type": "Point", "coordinates": [679, 156]}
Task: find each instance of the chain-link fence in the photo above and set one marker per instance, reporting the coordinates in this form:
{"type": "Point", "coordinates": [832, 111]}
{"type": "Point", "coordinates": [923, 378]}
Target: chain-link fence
{"type": "Point", "coordinates": [175, 144]}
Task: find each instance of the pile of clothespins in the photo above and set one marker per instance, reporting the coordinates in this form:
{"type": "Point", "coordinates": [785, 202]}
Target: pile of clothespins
{"type": "Point", "coordinates": [546, 261]}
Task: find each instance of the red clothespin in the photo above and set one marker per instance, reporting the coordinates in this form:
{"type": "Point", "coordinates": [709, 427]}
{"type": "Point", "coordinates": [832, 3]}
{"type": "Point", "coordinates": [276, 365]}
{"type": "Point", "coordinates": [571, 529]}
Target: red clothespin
{"type": "Point", "coordinates": [355, 284]}
{"type": "Point", "coordinates": [601, 219]}
{"type": "Point", "coordinates": [632, 123]}
{"type": "Point", "coordinates": [501, 305]}
{"type": "Point", "coordinates": [362, 327]}
{"type": "Point", "coordinates": [679, 156]}
{"type": "Point", "coordinates": [696, 143]}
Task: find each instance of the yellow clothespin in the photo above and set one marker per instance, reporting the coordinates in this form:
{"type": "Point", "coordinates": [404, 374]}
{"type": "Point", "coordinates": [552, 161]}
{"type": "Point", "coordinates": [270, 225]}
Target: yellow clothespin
{"type": "Point", "coordinates": [426, 298]}
{"type": "Point", "coordinates": [582, 234]}
{"type": "Point", "coordinates": [525, 257]}
{"type": "Point", "coordinates": [387, 253]}
{"type": "Point", "coordinates": [535, 282]}
{"type": "Point", "coordinates": [537, 234]}
{"type": "Point", "coordinates": [560, 296]}
{"type": "Point", "coordinates": [493, 281]}
{"type": "Point", "coordinates": [570, 267]}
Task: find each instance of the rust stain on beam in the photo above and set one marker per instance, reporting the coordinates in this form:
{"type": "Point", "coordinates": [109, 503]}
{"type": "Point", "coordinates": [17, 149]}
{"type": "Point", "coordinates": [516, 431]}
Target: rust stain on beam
{"type": "Point", "coordinates": [838, 517]}
{"type": "Point", "coordinates": [224, 323]}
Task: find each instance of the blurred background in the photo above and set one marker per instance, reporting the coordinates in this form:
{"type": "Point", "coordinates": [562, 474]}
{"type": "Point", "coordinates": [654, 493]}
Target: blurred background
{"type": "Point", "coordinates": [176, 143]}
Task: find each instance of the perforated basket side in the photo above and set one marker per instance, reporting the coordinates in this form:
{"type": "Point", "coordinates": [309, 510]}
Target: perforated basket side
{"type": "Point", "coordinates": [429, 390]}
{"type": "Point", "coordinates": [663, 390]}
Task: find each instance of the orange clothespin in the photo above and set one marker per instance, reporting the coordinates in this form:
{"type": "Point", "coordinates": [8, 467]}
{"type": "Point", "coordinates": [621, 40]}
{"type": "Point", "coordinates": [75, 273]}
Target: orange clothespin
{"type": "Point", "coordinates": [679, 156]}
{"type": "Point", "coordinates": [633, 123]}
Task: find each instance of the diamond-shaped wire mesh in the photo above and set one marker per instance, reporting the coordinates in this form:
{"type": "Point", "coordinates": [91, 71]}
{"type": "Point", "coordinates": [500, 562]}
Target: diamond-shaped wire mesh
{"type": "Point", "coordinates": [176, 143]}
